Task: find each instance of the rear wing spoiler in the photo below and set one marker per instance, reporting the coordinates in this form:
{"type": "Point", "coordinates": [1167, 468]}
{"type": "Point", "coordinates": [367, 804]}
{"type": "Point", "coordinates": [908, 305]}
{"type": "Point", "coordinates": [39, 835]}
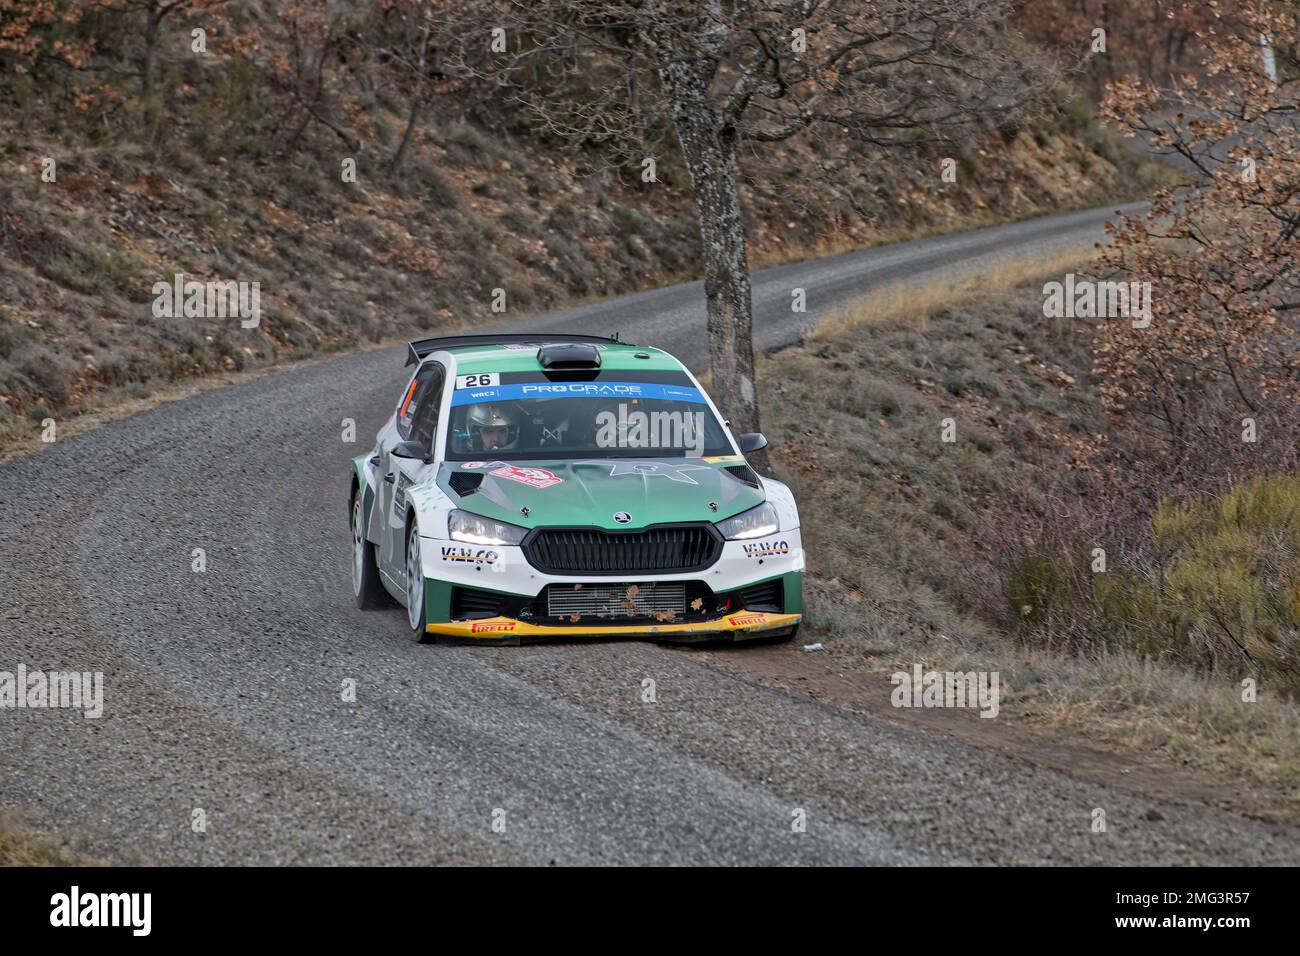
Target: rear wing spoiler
{"type": "Point", "coordinates": [416, 351]}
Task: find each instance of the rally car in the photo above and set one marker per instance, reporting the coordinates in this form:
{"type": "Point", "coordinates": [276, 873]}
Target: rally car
{"type": "Point", "coordinates": [534, 486]}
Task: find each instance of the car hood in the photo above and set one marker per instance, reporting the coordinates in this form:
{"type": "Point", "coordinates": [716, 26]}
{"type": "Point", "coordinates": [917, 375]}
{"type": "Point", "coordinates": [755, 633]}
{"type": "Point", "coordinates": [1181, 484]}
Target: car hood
{"type": "Point", "coordinates": [590, 492]}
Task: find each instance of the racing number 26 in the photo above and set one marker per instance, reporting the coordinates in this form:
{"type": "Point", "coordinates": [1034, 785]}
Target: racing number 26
{"type": "Point", "coordinates": [482, 380]}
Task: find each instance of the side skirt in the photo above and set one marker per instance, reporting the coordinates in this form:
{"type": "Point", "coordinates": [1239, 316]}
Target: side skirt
{"type": "Point", "coordinates": [397, 591]}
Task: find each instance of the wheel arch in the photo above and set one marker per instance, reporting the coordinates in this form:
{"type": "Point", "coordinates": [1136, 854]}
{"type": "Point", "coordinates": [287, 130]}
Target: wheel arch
{"type": "Point", "coordinates": [359, 483]}
{"type": "Point", "coordinates": [406, 525]}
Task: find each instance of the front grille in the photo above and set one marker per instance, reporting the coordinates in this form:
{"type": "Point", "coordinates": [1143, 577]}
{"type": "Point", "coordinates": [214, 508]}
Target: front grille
{"type": "Point", "coordinates": [471, 603]}
{"type": "Point", "coordinates": [663, 600]}
{"type": "Point", "coordinates": [668, 548]}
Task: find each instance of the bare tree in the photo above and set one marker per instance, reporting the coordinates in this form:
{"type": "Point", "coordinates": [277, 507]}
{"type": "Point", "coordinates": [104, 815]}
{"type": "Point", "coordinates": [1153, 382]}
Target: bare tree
{"type": "Point", "coordinates": [304, 64]}
{"type": "Point", "coordinates": [154, 13]}
{"type": "Point", "coordinates": [403, 39]}
{"type": "Point", "coordinates": [725, 75]}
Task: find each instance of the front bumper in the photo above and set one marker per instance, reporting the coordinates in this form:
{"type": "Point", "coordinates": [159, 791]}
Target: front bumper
{"type": "Point", "coordinates": [739, 626]}
{"type": "Point", "coordinates": [505, 569]}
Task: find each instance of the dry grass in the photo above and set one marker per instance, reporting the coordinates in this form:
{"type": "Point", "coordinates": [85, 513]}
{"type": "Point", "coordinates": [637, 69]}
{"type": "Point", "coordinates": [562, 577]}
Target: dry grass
{"type": "Point", "coordinates": [895, 522]}
{"type": "Point", "coordinates": [1142, 703]}
{"type": "Point", "coordinates": [21, 847]}
{"type": "Point", "coordinates": [911, 302]}
{"type": "Point", "coordinates": [1116, 699]}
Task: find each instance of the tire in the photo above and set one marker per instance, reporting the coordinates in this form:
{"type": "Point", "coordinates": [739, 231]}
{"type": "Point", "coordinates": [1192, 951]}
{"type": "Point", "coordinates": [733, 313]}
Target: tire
{"type": "Point", "coordinates": [366, 587]}
{"type": "Point", "coordinates": [416, 617]}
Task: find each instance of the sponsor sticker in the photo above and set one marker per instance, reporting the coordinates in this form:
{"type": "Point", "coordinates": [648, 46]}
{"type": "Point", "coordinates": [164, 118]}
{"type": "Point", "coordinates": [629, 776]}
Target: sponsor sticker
{"type": "Point", "coordinates": [766, 549]}
{"type": "Point", "coordinates": [399, 496]}
{"type": "Point", "coordinates": [532, 477]}
{"type": "Point", "coordinates": [492, 627]}
{"type": "Point", "coordinates": [520, 391]}
{"type": "Point", "coordinates": [470, 555]}
{"type": "Point", "coordinates": [473, 464]}
{"type": "Point", "coordinates": [745, 620]}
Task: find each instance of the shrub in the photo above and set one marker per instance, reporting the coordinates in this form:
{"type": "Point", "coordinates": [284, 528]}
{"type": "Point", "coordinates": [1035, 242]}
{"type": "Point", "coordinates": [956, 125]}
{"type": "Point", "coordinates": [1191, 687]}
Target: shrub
{"type": "Point", "coordinates": [52, 376]}
{"type": "Point", "coordinates": [1216, 585]}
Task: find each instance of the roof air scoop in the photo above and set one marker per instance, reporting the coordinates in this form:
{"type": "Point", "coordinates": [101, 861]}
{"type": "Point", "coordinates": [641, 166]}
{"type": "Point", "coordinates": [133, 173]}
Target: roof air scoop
{"type": "Point", "coordinates": [570, 355]}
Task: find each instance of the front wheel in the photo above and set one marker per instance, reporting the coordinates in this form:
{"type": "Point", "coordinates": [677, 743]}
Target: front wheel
{"type": "Point", "coordinates": [366, 587]}
{"type": "Point", "coordinates": [415, 615]}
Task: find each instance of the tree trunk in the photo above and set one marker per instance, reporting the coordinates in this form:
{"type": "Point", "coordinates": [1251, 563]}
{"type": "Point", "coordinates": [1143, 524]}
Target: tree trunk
{"type": "Point", "coordinates": [710, 154]}
{"type": "Point", "coordinates": [152, 25]}
{"type": "Point", "coordinates": [412, 120]}
{"type": "Point", "coordinates": [687, 67]}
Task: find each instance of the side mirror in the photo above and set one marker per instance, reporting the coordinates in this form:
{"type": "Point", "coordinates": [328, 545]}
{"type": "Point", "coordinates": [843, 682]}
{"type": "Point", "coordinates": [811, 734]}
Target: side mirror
{"type": "Point", "coordinates": [411, 449]}
{"type": "Point", "coordinates": [752, 441]}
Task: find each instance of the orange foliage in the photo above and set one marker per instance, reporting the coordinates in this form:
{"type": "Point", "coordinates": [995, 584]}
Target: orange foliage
{"type": "Point", "coordinates": [1222, 253]}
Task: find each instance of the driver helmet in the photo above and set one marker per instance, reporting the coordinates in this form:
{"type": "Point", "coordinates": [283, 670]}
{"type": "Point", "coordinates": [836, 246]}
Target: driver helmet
{"type": "Point", "coordinates": [492, 428]}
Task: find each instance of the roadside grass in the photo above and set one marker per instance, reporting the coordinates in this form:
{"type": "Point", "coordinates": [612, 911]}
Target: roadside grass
{"type": "Point", "coordinates": [21, 847]}
{"type": "Point", "coordinates": [902, 567]}
{"type": "Point", "coordinates": [910, 303]}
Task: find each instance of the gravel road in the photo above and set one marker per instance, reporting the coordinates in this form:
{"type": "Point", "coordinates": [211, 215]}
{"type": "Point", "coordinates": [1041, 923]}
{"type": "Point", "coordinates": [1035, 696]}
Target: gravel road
{"type": "Point", "coordinates": [224, 689]}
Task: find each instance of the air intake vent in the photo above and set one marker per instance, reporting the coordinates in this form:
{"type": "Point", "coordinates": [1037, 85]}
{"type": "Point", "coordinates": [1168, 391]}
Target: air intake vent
{"type": "Point", "coordinates": [568, 356]}
{"type": "Point", "coordinates": [743, 473]}
{"type": "Point", "coordinates": [473, 603]}
{"type": "Point", "coordinates": [690, 547]}
{"type": "Point", "coordinates": [662, 600]}
{"type": "Point", "coordinates": [768, 596]}
{"type": "Point", "coordinates": [465, 482]}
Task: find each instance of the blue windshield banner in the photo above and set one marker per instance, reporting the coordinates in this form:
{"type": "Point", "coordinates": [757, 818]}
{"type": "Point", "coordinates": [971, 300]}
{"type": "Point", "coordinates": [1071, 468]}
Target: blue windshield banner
{"type": "Point", "coordinates": [617, 390]}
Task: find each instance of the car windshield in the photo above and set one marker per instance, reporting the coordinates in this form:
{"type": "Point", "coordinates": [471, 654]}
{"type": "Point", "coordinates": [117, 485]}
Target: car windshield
{"type": "Point", "coordinates": [612, 414]}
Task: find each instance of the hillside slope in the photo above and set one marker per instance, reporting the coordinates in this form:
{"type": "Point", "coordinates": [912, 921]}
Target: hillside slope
{"type": "Point", "coordinates": [478, 207]}
{"type": "Point", "coordinates": [916, 544]}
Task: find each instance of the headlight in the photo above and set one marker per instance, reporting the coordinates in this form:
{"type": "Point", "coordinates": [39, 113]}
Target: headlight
{"type": "Point", "coordinates": [754, 523]}
{"type": "Point", "coordinates": [475, 529]}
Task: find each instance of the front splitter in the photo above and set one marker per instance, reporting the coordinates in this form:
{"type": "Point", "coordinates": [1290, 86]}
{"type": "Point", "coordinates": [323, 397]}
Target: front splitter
{"type": "Point", "coordinates": [735, 627]}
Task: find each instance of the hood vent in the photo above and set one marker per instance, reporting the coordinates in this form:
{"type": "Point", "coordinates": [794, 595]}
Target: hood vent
{"type": "Point", "coordinates": [743, 473]}
{"type": "Point", "coordinates": [465, 482]}
{"type": "Point", "coordinates": [575, 355]}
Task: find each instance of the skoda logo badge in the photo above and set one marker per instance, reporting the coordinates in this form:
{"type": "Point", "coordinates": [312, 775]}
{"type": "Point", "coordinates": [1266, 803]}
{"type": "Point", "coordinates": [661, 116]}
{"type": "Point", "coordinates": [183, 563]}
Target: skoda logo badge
{"type": "Point", "coordinates": [622, 517]}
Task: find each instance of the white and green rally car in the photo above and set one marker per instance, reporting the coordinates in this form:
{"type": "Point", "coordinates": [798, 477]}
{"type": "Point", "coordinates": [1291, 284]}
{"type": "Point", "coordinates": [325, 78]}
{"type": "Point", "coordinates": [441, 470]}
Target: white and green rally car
{"type": "Point", "coordinates": [532, 486]}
